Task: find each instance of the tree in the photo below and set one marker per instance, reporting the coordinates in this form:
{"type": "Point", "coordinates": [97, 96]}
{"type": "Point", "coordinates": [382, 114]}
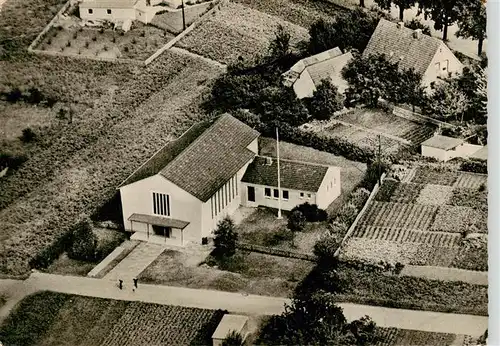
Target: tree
{"type": "Point", "coordinates": [401, 4]}
{"type": "Point", "coordinates": [407, 88]}
{"type": "Point", "coordinates": [280, 104]}
{"type": "Point", "coordinates": [225, 238]}
{"type": "Point", "coordinates": [443, 12]}
{"type": "Point", "coordinates": [447, 102]}
{"type": "Point", "coordinates": [296, 221]}
{"type": "Point", "coordinates": [28, 135]}
{"type": "Point", "coordinates": [325, 249]}
{"type": "Point", "coordinates": [415, 23]}
{"type": "Point", "coordinates": [473, 83]}
{"type": "Point", "coordinates": [349, 30]}
{"type": "Point", "coordinates": [315, 319]}
{"type": "Point", "coordinates": [279, 47]}
{"type": "Point", "coordinates": [233, 339]}
{"type": "Point", "coordinates": [472, 22]}
{"type": "Point", "coordinates": [84, 242]}
{"type": "Point", "coordinates": [325, 101]}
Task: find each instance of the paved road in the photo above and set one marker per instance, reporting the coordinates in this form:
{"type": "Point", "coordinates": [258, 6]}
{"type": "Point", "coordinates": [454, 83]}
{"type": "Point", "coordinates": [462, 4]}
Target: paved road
{"type": "Point", "coordinates": [235, 302]}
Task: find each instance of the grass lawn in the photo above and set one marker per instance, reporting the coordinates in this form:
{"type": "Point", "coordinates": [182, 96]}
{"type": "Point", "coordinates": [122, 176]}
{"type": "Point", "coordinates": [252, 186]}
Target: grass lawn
{"type": "Point", "coordinates": [16, 117]}
{"type": "Point", "coordinates": [262, 227]}
{"type": "Point", "coordinates": [351, 173]}
{"type": "Point", "coordinates": [139, 43]}
{"type": "Point", "coordinates": [245, 272]}
{"type": "Point", "coordinates": [237, 31]}
{"type": "Point", "coordinates": [405, 292]}
{"type": "Point", "coordinates": [49, 318]}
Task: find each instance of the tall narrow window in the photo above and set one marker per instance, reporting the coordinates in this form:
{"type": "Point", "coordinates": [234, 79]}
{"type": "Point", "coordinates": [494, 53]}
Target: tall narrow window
{"type": "Point", "coordinates": [215, 204]}
{"type": "Point", "coordinates": [267, 192]}
{"type": "Point", "coordinates": [237, 183]}
{"type": "Point", "coordinates": [161, 204]}
{"type": "Point", "coordinates": [285, 194]}
{"type": "Point", "coordinates": [219, 202]}
{"type": "Point", "coordinates": [276, 193]}
{"type": "Point", "coordinates": [230, 183]}
{"type": "Point", "coordinates": [225, 194]}
{"type": "Point", "coordinates": [234, 183]}
{"type": "Point", "coordinates": [212, 206]}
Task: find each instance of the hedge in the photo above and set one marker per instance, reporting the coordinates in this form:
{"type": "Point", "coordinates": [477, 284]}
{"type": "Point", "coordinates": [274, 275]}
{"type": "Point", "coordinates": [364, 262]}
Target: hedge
{"type": "Point", "coordinates": [475, 166]}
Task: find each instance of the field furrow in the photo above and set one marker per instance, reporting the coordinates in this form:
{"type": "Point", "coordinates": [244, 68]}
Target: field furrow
{"type": "Point", "coordinates": [471, 180]}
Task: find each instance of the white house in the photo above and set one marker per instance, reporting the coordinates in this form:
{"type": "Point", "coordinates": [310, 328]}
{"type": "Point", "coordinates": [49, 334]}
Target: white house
{"type": "Point", "coordinates": [117, 11]}
{"type": "Point", "coordinates": [308, 73]}
{"type": "Point", "coordinates": [181, 193]}
{"type": "Point", "coordinates": [300, 182]}
{"type": "Point", "coordinates": [427, 55]}
{"type": "Point", "coordinates": [445, 148]}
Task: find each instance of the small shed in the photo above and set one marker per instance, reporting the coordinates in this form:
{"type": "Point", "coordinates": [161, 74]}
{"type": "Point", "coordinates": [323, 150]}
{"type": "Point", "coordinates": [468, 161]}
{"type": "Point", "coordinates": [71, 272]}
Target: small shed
{"type": "Point", "coordinates": [442, 148]}
{"type": "Point", "coordinates": [229, 323]}
{"type": "Point", "coordinates": [481, 154]}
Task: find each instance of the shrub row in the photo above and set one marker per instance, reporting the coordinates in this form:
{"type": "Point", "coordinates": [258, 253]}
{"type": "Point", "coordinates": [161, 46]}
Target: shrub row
{"type": "Point", "coordinates": [311, 212]}
{"type": "Point", "coordinates": [370, 266]}
{"type": "Point", "coordinates": [474, 166]}
{"type": "Point", "coordinates": [275, 252]}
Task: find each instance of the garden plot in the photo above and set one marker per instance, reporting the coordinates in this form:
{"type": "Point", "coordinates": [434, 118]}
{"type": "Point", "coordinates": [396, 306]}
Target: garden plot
{"type": "Point", "coordinates": [139, 43]}
{"type": "Point", "coordinates": [236, 32]}
{"type": "Point", "coordinates": [394, 337]}
{"type": "Point", "coordinates": [429, 175]}
{"type": "Point", "coordinates": [471, 180]}
{"type": "Point", "coordinates": [409, 216]}
{"type": "Point", "coordinates": [358, 136]}
{"type": "Point", "coordinates": [473, 254]}
{"type": "Point", "coordinates": [458, 219]}
{"type": "Point", "coordinates": [435, 195]}
{"type": "Point", "coordinates": [63, 319]}
{"type": "Point", "coordinates": [394, 191]}
{"type": "Point", "coordinates": [468, 197]}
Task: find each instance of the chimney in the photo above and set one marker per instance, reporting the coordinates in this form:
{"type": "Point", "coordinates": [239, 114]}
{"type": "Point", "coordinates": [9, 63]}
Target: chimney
{"type": "Point", "coordinates": [269, 161]}
{"type": "Point", "coordinates": [417, 33]}
{"type": "Point", "coordinates": [401, 25]}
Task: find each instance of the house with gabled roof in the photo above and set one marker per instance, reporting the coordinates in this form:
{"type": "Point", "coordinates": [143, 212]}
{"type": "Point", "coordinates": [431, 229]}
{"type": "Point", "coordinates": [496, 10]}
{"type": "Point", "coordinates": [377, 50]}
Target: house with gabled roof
{"type": "Point", "coordinates": [182, 192]}
{"type": "Point", "coordinates": [427, 55]}
{"type": "Point", "coordinates": [308, 73]}
{"type": "Point", "coordinates": [300, 182]}
{"type": "Point", "coordinates": [117, 11]}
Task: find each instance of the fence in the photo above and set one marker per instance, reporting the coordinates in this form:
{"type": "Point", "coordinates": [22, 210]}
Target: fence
{"type": "Point", "coordinates": [275, 252]}
{"type": "Point", "coordinates": [47, 28]}
{"type": "Point", "coordinates": [190, 28]}
{"type": "Point", "coordinates": [86, 57]}
{"type": "Point", "coordinates": [360, 214]}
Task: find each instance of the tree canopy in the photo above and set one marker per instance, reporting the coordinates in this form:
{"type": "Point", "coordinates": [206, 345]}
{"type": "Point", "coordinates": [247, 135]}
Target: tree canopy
{"type": "Point", "coordinates": [472, 22]}
{"type": "Point", "coordinates": [401, 4]}
{"type": "Point", "coordinates": [225, 238]}
{"type": "Point", "coordinates": [326, 100]}
{"type": "Point", "coordinates": [443, 12]}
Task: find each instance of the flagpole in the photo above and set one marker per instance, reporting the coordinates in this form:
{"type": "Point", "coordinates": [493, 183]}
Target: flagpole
{"type": "Point", "coordinates": [279, 176]}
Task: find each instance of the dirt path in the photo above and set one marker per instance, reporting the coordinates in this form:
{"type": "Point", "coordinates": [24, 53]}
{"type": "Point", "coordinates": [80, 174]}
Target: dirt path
{"type": "Point", "coordinates": [237, 303]}
{"type": "Point", "coordinates": [447, 274]}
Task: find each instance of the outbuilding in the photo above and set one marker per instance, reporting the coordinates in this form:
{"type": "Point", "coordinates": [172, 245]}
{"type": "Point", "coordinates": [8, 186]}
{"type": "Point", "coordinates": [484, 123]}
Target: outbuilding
{"type": "Point", "coordinates": [230, 323]}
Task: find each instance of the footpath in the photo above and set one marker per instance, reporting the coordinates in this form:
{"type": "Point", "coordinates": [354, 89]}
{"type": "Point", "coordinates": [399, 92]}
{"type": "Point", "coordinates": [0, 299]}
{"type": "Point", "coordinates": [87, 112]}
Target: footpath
{"type": "Point", "coordinates": [233, 302]}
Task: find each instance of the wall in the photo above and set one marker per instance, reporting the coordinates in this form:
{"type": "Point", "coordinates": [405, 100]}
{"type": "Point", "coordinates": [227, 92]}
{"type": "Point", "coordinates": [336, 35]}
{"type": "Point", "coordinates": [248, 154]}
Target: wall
{"type": "Point", "coordinates": [443, 54]}
{"type": "Point", "coordinates": [137, 198]}
{"type": "Point", "coordinates": [254, 146]}
{"type": "Point", "coordinates": [271, 202]}
{"type": "Point", "coordinates": [330, 188]}
{"type": "Point", "coordinates": [304, 86]}
{"type": "Point", "coordinates": [101, 13]}
{"type": "Point", "coordinates": [439, 154]}
{"type": "Point", "coordinates": [210, 223]}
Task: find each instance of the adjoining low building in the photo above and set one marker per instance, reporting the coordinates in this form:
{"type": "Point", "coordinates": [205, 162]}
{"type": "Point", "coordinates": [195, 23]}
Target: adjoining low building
{"type": "Point", "coordinates": [300, 182]}
{"type": "Point", "coordinates": [182, 192]}
{"type": "Point", "coordinates": [230, 323]}
{"type": "Point", "coordinates": [428, 56]}
{"type": "Point", "coordinates": [445, 148]}
{"type": "Point", "coordinates": [308, 73]}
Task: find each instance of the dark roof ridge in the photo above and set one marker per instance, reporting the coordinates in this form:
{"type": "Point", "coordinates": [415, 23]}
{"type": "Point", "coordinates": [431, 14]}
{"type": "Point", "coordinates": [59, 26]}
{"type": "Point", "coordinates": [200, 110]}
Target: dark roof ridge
{"type": "Point", "coordinates": [298, 161]}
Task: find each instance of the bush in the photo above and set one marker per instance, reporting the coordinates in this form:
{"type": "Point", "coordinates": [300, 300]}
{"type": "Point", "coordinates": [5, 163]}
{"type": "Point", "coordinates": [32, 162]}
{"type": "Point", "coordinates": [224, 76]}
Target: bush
{"type": "Point", "coordinates": [84, 242]}
{"type": "Point", "coordinates": [359, 197]}
{"type": "Point", "coordinates": [225, 238]}
{"type": "Point", "coordinates": [13, 161]}
{"type": "Point", "coordinates": [296, 221]}
{"type": "Point", "coordinates": [311, 212]}
{"type": "Point", "coordinates": [325, 249]}
{"type": "Point", "coordinates": [474, 166]}
{"type": "Point", "coordinates": [233, 339]}
{"type": "Point", "coordinates": [347, 214]}
{"type": "Point", "coordinates": [338, 228]}
{"type": "Point", "coordinates": [28, 135]}
{"type": "Point", "coordinates": [326, 100]}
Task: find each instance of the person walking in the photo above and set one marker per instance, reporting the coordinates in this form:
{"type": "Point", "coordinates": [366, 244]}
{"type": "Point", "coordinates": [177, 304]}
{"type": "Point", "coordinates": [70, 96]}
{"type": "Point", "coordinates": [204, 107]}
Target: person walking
{"type": "Point", "coordinates": [120, 284]}
{"type": "Point", "coordinates": [135, 282]}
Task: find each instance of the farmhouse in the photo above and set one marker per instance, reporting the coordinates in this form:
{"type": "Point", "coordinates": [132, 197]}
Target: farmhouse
{"type": "Point", "coordinates": [181, 193]}
{"type": "Point", "coordinates": [427, 55]}
{"type": "Point", "coordinates": [117, 11]}
{"type": "Point", "coordinates": [300, 182]}
{"type": "Point", "coordinates": [308, 73]}
{"type": "Point", "coordinates": [445, 148]}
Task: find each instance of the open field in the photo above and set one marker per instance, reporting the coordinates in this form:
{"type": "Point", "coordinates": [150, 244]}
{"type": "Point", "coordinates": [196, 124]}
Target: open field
{"type": "Point", "coordinates": [388, 123]}
{"type": "Point", "coordinates": [138, 44]}
{"type": "Point", "coordinates": [423, 224]}
{"type": "Point", "coordinates": [48, 318]}
{"type": "Point", "coordinates": [245, 272]}
{"type": "Point", "coordinates": [237, 31]}
{"type": "Point", "coordinates": [98, 151]}
{"type": "Point", "coordinates": [394, 336]}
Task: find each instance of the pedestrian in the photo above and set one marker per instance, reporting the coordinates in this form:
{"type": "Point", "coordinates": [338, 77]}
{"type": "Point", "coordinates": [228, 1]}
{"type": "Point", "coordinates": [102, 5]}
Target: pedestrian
{"type": "Point", "coordinates": [135, 282]}
{"type": "Point", "coordinates": [120, 284]}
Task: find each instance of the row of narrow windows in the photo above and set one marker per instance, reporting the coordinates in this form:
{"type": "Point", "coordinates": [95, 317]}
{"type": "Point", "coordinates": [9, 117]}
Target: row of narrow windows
{"type": "Point", "coordinates": [224, 196]}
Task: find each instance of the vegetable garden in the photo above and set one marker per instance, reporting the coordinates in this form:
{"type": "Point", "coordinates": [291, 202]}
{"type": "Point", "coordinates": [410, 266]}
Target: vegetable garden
{"type": "Point", "coordinates": [425, 224]}
{"type": "Point", "coordinates": [394, 336]}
